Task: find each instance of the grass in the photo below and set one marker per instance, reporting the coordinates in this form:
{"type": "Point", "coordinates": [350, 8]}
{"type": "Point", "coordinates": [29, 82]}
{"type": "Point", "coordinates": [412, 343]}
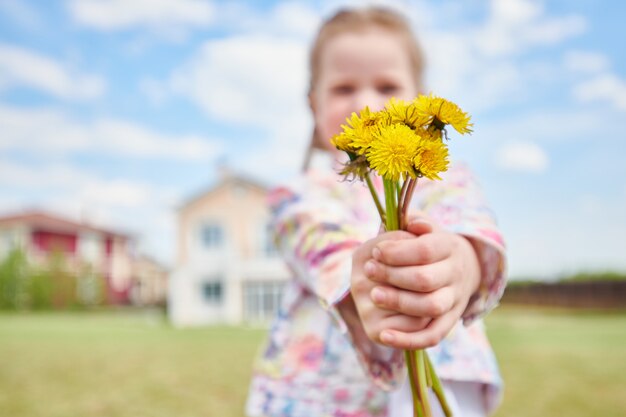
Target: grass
{"type": "Point", "coordinates": [120, 364]}
{"type": "Point", "coordinates": [560, 363]}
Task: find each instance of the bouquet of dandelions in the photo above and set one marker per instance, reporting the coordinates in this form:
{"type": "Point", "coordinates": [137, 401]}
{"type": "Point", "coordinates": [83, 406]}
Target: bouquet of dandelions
{"type": "Point", "coordinates": [402, 143]}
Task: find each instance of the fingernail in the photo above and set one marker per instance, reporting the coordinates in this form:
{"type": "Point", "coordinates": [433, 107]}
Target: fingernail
{"type": "Point", "coordinates": [378, 295]}
{"type": "Point", "coordinates": [369, 268]}
{"type": "Point", "coordinates": [415, 222]}
{"type": "Point", "coordinates": [376, 254]}
{"type": "Point", "coordinates": [387, 337]}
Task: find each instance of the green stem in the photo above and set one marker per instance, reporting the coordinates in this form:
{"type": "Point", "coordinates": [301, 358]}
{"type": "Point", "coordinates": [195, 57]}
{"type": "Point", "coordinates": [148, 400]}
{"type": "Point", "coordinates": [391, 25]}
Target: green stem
{"type": "Point", "coordinates": [401, 205]}
{"type": "Point", "coordinates": [407, 198]}
{"type": "Point", "coordinates": [421, 381]}
{"type": "Point", "coordinates": [437, 387]}
{"type": "Point", "coordinates": [412, 371]}
{"type": "Point", "coordinates": [391, 207]}
{"type": "Point", "coordinates": [379, 206]}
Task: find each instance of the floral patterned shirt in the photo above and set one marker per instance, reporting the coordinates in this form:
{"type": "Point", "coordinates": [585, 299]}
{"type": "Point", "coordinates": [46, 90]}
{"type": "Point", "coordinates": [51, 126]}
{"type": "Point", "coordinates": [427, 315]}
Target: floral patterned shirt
{"type": "Point", "coordinates": [310, 364]}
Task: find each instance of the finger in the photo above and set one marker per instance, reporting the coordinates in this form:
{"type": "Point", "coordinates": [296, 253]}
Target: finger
{"type": "Point", "coordinates": [434, 333]}
{"type": "Point", "coordinates": [404, 323]}
{"type": "Point", "coordinates": [375, 321]}
{"type": "Point", "coordinates": [422, 250]}
{"type": "Point", "coordinates": [433, 304]}
{"type": "Point", "coordinates": [422, 278]}
{"type": "Point", "coordinates": [419, 226]}
{"type": "Point", "coordinates": [364, 251]}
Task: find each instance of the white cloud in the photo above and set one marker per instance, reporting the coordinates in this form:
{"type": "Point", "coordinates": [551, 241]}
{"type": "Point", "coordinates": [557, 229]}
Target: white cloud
{"type": "Point", "coordinates": [555, 30]}
{"type": "Point", "coordinates": [604, 87]}
{"type": "Point", "coordinates": [122, 193]}
{"type": "Point", "coordinates": [258, 81]}
{"type": "Point", "coordinates": [20, 67]}
{"type": "Point", "coordinates": [514, 25]}
{"type": "Point", "coordinates": [245, 79]}
{"type": "Point", "coordinates": [21, 12]}
{"type": "Point", "coordinates": [143, 209]}
{"type": "Point", "coordinates": [84, 186]}
{"type": "Point", "coordinates": [523, 157]}
{"type": "Point", "coordinates": [161, 15]}
{"type": "Point", "coordinates": [53, 176]}
{"type": "Point", "coordinates": [487, 56]}
{"type": "Point", "coordinates": [127, 138]}
{"type": "Point", "coordinates": [293, 19]}
{"type": "Point", "coordinates": [558, 125]}
{"type": "Point", "coordinates": [44, 131]}
{"type": "Point", "coordinates": [586, 61]}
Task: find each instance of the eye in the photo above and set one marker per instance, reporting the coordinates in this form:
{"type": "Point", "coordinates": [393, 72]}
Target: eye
{"type": "Point", "coordinates": [388, 88]}
{"type": "Point", "coordinates": [343, 89]}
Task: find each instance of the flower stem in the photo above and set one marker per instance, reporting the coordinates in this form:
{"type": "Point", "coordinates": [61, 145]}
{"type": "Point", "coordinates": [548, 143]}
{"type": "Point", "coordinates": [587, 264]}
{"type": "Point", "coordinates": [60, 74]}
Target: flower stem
{"type": "Point", "coordinates": [421, 381]}
{"type": "Point", "coordinates": [391, 207]}
{"type": "Point", "coordinates": [437, 387]}
{"type": "Point", "coordinates": [401, 204]}
{"type": "Point", "coordinates": [379, 206]}
{"type": "Point", "coordinates": [409, 356]}
{"type": "Point", "coordinates": [407, 198]}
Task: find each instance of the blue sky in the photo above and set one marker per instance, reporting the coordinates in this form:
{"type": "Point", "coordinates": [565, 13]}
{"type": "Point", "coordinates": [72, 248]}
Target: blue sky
{"type": "Point", "coordinates": [119, 111]}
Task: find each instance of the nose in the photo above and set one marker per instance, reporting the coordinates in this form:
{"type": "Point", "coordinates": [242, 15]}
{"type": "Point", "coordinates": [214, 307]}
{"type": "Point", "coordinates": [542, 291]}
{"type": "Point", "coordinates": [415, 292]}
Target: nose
{"type": "Point", "coordinates": [369, 97]}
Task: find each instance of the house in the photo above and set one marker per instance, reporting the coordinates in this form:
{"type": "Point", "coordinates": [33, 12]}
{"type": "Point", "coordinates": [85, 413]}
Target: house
{"type": "Point", "coordinates": [39, 235]}
{"type": "Point", "coordinates": [227, 270]}
{"type": "Point", "coordinates": [149, 282]}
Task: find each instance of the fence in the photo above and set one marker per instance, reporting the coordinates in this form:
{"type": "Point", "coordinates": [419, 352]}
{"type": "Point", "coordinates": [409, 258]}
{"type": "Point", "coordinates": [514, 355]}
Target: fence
{"type": "Point", "coordinates": [594, 294]}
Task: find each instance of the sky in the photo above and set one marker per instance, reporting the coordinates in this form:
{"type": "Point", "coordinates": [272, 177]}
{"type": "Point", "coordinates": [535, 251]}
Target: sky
{"type": "Point", "coordinates": [117, 112]}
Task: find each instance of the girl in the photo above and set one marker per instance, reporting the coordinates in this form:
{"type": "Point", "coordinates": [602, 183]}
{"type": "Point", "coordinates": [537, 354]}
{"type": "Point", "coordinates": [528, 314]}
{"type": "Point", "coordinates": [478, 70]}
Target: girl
{"type": "Point", "coordinates": [359, 297]}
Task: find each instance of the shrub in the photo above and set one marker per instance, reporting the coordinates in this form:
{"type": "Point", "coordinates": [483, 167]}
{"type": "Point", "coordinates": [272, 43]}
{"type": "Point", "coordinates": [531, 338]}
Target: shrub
{"type": "Point", "coordinates": [52, 285]}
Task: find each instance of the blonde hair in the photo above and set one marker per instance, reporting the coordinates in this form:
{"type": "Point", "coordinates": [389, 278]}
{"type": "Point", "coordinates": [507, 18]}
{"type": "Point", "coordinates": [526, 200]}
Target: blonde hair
{"type": "Point", "coordinates": [359, 20]}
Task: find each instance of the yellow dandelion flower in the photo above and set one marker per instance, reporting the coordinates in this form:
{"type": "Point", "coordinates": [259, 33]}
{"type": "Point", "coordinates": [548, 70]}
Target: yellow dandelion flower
{"type": "Point", "coordinates": [361, 127]}
{"type": "Point", "coordinates": [429, 133]}
{"type": "Point", "coordinates": [343, 142]}
{"type": "Point", "coordinates": [443, 112]}
{"type": "Point", "coordinates": [355, 168]}
{"type": "Point", "coordinates": [431, 158]}
{"type": "Point", "coordinates": [393, 150]}
{"type": "Point", "coordinates": [400, 111]}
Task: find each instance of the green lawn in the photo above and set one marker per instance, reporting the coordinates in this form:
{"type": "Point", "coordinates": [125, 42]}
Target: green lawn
{"type": "Point", "coordinates": [560, 363]}
{"type": "Point", "coordinates": [118, 364]}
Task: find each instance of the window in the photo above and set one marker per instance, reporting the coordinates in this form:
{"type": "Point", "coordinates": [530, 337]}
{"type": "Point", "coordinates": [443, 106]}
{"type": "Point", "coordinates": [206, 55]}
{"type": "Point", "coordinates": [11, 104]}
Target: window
{"type": "Point", "coordinates": [212, 292]}
{"type": "Point", "coordinates": [261, 300]}
{"type": "Point", "coordinates": [268, 248]}
{"type": "Point", "coordinates": [211, 236]}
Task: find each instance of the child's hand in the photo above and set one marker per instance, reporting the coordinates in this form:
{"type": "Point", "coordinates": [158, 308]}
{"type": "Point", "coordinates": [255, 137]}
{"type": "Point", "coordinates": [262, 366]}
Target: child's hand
{"type": "Point", "coordinates": [431, 275]}
{"type": "Point", "coordinates": [375, 319]}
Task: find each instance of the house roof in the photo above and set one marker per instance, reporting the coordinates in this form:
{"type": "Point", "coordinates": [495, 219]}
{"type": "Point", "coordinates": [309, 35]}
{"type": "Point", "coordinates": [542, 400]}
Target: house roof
{"type": "Point", "coordinates": [227, 179]}
{"type": "Point", "coordinates": [53, 222]}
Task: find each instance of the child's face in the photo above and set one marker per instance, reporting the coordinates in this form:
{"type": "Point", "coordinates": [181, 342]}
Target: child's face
{"type": "Point", "coordinates": [356, 70]}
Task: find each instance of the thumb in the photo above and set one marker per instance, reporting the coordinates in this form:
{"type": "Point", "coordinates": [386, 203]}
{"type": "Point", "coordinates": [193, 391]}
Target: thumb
{"type": "Point", "coordinates": [419, 226]}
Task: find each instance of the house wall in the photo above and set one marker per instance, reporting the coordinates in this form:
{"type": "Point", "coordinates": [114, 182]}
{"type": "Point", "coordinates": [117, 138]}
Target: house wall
{"type": "Point", "coordinates": [12, 237]}
{"type": "Point", "coordinates": [120, 264]}
{"type": "Point", "coordinates": [108, 255]}
{"type": "Point", "coordinates": [240, 210]}
{"type": "Point", "coordinates": [149, 282]}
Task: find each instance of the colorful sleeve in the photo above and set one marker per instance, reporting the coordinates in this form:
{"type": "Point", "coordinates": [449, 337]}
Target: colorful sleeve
{"type": "Point", "coordinates": [458, 204]}
{"type": "Point", "coordinates": [316, 234]}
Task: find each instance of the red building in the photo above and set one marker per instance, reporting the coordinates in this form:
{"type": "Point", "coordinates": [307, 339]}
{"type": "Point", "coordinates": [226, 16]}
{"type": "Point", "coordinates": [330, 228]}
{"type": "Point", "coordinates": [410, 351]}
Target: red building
{"type": "Point", "coordinates": [39, 235]}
